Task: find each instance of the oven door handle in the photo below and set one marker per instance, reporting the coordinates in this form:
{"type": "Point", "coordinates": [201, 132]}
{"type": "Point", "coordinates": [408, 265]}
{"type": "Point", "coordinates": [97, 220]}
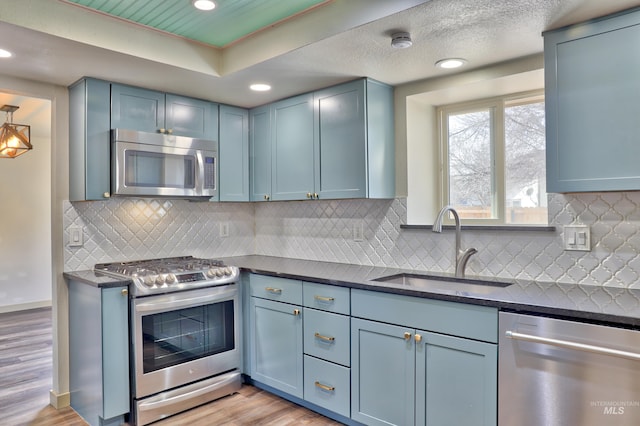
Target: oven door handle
{"type": "Point", "coordinates": [184, 302]}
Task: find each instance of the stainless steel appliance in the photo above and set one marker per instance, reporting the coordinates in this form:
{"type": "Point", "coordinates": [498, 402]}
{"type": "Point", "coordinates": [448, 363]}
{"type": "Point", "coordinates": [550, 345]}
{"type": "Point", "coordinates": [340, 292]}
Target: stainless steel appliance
{"type": "Point", "coordinates": [185, 333]}
{"type": "Point", "coordinates": [161, 165]}
{"type": "Point", "coordinates": [565, 373]}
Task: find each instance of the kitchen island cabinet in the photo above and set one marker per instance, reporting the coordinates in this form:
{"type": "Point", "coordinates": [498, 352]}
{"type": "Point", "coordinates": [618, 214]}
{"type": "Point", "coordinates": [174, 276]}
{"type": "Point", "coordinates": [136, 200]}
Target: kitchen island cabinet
{"type": "Point", "coordinates": [592, 105]}
{"type": "Point", "coordinates": [99, 352]}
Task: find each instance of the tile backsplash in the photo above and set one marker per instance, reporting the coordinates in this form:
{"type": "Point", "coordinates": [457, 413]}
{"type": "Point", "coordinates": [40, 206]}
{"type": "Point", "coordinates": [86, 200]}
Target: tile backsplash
{"type": "Point", "coordinates": [328, 230]}
{"type": "Point", "coordinates": [131, 229]}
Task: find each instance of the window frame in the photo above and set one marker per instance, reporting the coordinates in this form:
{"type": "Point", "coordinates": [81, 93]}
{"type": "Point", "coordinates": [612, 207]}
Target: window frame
{"type": "Point", "coordinates": [496, 105]}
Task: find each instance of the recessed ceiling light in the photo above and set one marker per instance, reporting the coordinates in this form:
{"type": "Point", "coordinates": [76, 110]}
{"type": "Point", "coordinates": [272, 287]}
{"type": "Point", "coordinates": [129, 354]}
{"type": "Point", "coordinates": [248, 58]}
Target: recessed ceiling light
{"type": "Point", "coordinates": [204, 4]}
{"type": "Point", "coordinates": [260, 87]}
{"type": "Point", "coordinates": [451, 63]}
{"type": "Point", "coordinates": [5, 53]}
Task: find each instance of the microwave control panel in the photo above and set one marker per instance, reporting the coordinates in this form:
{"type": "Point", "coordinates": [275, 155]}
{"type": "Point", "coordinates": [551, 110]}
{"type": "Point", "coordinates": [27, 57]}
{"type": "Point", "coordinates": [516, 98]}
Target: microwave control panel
{"type": "Point", "coordinates": [209, 173]}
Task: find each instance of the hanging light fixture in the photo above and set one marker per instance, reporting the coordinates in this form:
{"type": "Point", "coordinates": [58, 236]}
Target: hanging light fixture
{"type": "Point", "coordinates": [14, 138]}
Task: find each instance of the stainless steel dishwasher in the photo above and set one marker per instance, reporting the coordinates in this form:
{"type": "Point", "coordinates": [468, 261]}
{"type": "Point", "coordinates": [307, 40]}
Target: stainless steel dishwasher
{"type": "Point", "coordinates": [563, 373]}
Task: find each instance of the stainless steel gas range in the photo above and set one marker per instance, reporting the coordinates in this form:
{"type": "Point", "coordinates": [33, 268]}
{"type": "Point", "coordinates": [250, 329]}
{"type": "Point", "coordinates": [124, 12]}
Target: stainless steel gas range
{"type": "Point", "coordinates": [185, 333]}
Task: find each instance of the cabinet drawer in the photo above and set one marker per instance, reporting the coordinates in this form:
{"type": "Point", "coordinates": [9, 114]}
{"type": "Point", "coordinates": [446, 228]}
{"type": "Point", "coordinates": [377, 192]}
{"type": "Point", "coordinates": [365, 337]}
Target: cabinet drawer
{"type": "Point", "coordinates": [327, 336]}
{"type": "Point", "coordinates": [327, 385]}
{"type": "Point", "coordinates": [326, 297]}
{"type": "Point", "coordinates": [279, 289]}
{"type": "Point", "coordinates": [456, 319]}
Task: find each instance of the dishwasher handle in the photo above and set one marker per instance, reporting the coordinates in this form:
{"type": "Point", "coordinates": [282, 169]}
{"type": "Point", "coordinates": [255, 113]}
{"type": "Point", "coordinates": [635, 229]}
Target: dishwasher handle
{"type": "Point", "coordinates": [573, 345]}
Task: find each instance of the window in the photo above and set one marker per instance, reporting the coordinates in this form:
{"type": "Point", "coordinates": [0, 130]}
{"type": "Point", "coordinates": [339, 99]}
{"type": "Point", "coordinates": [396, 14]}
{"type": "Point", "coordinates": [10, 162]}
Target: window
{"type": "Point", "coordinates": [493, 160]}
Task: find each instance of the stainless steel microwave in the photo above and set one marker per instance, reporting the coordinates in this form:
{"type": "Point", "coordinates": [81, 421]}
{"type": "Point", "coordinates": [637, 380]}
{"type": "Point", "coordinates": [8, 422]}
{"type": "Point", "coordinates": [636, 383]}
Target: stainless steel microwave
{"type": "Point", "coordinates": [160, 165]}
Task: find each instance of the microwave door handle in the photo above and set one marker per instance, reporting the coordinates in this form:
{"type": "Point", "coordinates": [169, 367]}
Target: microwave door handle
{"type": "Point", "coordinates": [199, 183]}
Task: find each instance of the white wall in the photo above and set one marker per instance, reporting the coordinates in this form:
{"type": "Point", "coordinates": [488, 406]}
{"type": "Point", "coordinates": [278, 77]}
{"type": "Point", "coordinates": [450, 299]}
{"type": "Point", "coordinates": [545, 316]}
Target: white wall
{"type": "Point", "coordinates": [25, 212]}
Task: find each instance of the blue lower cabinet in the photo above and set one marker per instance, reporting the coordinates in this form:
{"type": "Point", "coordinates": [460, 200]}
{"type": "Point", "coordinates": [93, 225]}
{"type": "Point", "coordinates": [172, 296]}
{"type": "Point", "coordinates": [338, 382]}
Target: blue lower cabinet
{"type": "Point", "coordinates": [456, 381]}
{"type": "Point", "coordinates": [327, 385]}
{"type": "Point", "coordinates": [99, 353]}
{"type": "Point", "coordinates": [276, 345]}
{"type": "Point", "coordinates": [382, 373]}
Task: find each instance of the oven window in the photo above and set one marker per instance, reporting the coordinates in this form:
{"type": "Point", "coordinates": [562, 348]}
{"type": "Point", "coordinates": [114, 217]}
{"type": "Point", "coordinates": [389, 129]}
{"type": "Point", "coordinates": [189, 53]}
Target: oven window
{"type": "Point", "coordinates": [174, 337]}
{"type": "Point", "coordinates": [159, 170]}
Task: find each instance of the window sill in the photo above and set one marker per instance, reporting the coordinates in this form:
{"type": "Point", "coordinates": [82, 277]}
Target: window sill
{"type": "Point", "coordinates": [518, 228]}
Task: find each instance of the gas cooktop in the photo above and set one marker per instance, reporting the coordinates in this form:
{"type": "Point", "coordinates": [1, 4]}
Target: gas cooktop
{"type": "Point", "coordinates": [165, 275]}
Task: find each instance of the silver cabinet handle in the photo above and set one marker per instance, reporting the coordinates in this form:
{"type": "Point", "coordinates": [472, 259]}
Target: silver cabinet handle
{"type": "Point", "coordinates": [572, 345]}
{"type": "Point", "coordinates": [273, 290]}
{"type": "Point", "coordinates": [323, 298]}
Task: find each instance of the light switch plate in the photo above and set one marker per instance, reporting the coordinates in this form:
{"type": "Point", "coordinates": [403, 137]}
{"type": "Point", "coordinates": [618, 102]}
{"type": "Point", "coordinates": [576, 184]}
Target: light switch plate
{"type": "Point", "coordinates": [358, 231]}
{"type": "Point", "coordinates": [577, 238]}
{"type": "Point", "coordinates": [224, 229]}
{"type": "Point", "coordinates": [76, 237]}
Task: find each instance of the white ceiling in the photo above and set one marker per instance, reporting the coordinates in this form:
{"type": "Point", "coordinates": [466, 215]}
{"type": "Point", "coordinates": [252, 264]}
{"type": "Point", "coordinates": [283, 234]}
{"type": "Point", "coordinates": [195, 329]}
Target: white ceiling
{"type": "Point", "coordinates": [343, 40]}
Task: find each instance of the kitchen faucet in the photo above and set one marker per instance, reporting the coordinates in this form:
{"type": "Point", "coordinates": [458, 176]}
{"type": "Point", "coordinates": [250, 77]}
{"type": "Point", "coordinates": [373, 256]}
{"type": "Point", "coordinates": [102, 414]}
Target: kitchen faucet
{"type": "Point", "coordinates": [462, 257]}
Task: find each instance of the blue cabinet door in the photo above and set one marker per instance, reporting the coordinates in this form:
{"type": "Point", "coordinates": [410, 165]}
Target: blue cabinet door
{"type": "Point", "coordinates": [234, 154]}
{"type": "Point", "coordinates": [115, 351]}
{"type": "Point", "coordinates": [89, 140]}
{"type": "Point", "coordinates": [190, 117]}
{"type": "Point", "coordinates": [137, 109]}
{"type": "Point", "coordinates": [382, 373]}
{"type": "Point", "coordinates": [276, 345]}
{"type": "Point", "coordinates": [292, 176]}
{"type": "Point", "coordinates": [354, 141]}
{"type": "Point", "coordinates": [592, 106]}
{"type": "Point", "coordinates": [456, 381]}
{"type": "Point", "coordinates": [260, 153]}
{"type": "Point", "coordinates": [340, 141]}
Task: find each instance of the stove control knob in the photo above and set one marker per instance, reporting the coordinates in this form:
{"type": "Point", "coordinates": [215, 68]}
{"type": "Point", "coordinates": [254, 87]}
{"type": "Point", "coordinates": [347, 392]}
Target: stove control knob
{"type": "Point", "coordinates": [227, 271]}
{"type": "Point", "coordinates": [171, 278]}
{"type": "Point", "coordinates": [159, 279]}
{"type": "Point", "coordinates": [149, 280]}
{"type": "Point", "coordinates": [218, 272]}
{"type": "Point", "coordinates": [211, 273]}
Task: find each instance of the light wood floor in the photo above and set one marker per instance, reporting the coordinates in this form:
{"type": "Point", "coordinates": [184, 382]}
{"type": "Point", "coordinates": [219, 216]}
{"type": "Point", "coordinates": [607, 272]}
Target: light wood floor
{"type": "Point", "coordinates": [25, 381]}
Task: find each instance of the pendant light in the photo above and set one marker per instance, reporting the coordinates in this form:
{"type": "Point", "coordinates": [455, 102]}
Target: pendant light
{"type": "Point", "coordinates": [14, 138]}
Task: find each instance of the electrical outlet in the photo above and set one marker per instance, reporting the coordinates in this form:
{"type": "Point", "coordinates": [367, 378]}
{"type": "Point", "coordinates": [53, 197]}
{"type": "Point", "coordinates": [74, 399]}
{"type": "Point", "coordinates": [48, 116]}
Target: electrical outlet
{"type": "Point", "coordinates": [224, 229]}
{"type": "Point", "coordinates": [577, 238]}
{"type": "Point", "coordinates": [358, 231]}
{"type": "Point", "coordinates": [75, 236]}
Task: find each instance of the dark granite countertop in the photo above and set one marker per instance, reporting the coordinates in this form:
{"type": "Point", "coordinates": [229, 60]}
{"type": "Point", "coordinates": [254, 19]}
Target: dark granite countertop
{"type": "Point", "coordinates": [96, 279]}
{"type": "Point", "coordinates": [601, 304]}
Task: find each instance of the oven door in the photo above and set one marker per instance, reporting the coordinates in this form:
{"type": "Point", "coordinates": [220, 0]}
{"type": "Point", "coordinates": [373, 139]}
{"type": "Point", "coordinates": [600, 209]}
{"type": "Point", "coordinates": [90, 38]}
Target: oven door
{"type": "Point", "coordinates": [182, 337]}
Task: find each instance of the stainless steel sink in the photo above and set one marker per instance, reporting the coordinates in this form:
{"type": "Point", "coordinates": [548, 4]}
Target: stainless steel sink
{"type": "Point", "coordinates": [456, 286]}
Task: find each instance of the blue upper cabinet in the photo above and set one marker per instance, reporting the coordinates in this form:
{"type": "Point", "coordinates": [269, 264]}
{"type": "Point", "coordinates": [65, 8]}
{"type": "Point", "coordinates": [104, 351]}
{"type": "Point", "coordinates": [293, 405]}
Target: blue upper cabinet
{"type": "Point", "coordinates": [260, 153]}
{"type": "Point", "coordinates": [191, 117]}
{"type": "Point", "coordinates": [354, 141]}
{"type": "Point", "coordinates": [234, 149]}
{"type": "Point", "coordinates": [149, 111]}
{"type": "Point", "coordinates": [330, 144]}
{"type": "Point", "coordinates": [137, 109]}
{"type": "Point", "coordinates": [292, 149]}
{"type": "Point", "coordinates": [89, 140]}
{"type": "Point", "coordinates": [593, 104]}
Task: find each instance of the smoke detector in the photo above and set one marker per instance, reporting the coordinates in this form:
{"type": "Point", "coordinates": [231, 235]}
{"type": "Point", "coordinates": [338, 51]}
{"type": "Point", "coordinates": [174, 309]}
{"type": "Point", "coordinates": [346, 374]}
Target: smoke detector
{"type": "Point", "coordinates": [401, 40]}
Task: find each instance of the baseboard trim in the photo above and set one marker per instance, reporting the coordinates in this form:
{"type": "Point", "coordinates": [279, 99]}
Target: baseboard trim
{"type": "Point", "coordinates": [59, 401]}
{"type": "Point", "coordinates": [25, 306]}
